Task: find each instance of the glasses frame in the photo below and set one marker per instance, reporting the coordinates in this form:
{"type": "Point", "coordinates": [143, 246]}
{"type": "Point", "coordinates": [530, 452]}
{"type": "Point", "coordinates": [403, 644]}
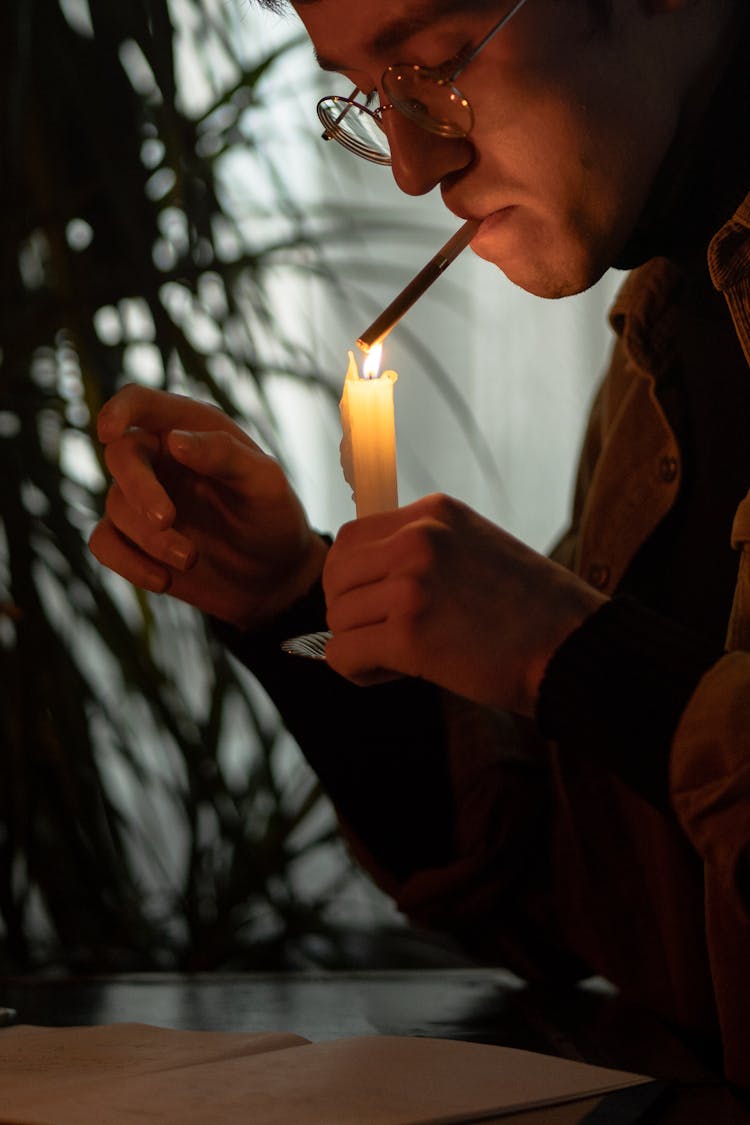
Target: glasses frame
{"type": "Point", "coordinates": [443, 75]}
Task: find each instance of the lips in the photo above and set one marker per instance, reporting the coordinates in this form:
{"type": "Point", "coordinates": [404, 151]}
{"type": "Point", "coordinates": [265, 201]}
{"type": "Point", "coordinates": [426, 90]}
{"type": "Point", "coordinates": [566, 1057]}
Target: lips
{"type": "Point", "coordinates": [496, 216]}
{"type": "Point", "coordinates": [478, 214]}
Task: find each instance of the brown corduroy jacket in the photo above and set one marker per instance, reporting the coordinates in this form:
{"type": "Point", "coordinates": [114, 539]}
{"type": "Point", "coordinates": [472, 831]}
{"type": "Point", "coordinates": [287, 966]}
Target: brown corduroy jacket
{"type": "Point", "coordinates": [551, 861]}
{"type": "Point", "coordinates": [656, 900]}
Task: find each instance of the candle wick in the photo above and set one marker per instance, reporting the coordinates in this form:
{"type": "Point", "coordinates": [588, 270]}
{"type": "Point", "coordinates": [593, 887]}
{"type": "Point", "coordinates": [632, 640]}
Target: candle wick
{"type": "Point", "coordinates": [371, 366]}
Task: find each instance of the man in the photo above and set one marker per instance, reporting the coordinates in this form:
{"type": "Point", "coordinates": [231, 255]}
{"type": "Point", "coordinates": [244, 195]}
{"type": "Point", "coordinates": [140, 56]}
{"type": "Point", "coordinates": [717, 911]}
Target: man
{"type": "Point", "coordinates": [552, 758]}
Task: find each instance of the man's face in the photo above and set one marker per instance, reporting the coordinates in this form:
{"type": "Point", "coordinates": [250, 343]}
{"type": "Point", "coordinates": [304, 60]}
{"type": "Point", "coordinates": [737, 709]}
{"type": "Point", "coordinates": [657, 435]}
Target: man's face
{"type": "Point", "coordinates": [572, 121]}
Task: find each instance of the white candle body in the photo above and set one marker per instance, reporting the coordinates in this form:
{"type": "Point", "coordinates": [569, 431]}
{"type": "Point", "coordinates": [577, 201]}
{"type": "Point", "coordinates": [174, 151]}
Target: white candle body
{"type": "Point", "coordinates": [368, 446]}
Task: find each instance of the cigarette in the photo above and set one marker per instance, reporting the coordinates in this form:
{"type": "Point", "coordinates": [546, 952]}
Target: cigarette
{"type": "Point", "coordinates": [390, 317]}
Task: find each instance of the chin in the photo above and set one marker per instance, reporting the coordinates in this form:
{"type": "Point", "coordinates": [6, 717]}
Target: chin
{"type": "Point", "coordinates": [540, 268]}
{"type": "Point", "coordinates": [540, 278]}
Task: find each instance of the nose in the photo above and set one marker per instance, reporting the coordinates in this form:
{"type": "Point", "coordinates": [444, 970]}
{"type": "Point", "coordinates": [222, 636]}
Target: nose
{"type": "Point", "coordinates": [419, 159]}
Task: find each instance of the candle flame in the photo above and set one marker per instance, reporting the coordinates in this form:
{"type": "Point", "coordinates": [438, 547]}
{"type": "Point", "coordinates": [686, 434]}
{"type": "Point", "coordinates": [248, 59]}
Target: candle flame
{"type": "Point", "coordinates": [371, 366]}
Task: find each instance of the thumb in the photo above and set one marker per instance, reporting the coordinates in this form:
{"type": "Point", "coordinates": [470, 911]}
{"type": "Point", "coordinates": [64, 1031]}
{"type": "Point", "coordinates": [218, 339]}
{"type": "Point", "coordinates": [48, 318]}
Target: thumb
{"type": "Point", "coordinates": [215, 453]}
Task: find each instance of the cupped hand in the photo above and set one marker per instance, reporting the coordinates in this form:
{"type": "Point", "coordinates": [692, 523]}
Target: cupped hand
{"type": "Point", "coordinates": [436, 591]}
{"type": "Point", "coordinates": [196, 508]}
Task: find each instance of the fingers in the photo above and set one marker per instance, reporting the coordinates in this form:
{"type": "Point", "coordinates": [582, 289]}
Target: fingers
{"type": "Point", "coordinates": [165, 546]}
{"type": "Point", "coordinates": [377, 597]}
{"type": "Point", "coordinates": [363, 605]}
{"type": "Point", "coordinates": [348, 571]}
{"type": "Point", "coordinates": [130, 461]}
{"type": "Point", "coordinates": [115, 552]}
{"type": "Point", "coordinates": [348, 654]}
{"type": "Point", "coordinates": [380, 585]}
{"type": "Point", "coordinates": [218, 454]}
{"type": "Point", "coordinates": [140, 424]}
{"type": "Point", "coordinates": [157, 411]}
{"type": "Point", "coordinates": [409, 548]}
{"type": "Point", "coordinates": [368, 528]}
{"type": "Point", "coordinates": [434, 511]}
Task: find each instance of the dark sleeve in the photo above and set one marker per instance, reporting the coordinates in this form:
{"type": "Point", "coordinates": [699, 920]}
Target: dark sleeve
{"type": "Point", "coordinates": [378, 751]}
{"type": "Point", "coordinates": [616, 688]}
{"type": "Point", "coordinates": [446, 804]}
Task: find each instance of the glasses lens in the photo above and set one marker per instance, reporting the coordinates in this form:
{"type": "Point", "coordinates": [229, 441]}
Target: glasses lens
{"type": "Point", "coordinates": [420, 94]}
{"type": "Point", "coordinates": [355, 127]}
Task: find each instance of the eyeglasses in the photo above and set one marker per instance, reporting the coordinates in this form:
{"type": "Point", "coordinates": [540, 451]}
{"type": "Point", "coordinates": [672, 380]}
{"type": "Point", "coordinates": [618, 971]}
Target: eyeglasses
{"type": "Point", "coordinates": [426, 95]}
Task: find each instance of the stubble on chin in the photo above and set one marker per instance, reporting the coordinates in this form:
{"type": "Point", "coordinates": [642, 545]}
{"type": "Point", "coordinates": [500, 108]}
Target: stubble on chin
{"type": "Point", "coordinates": [540, 278]}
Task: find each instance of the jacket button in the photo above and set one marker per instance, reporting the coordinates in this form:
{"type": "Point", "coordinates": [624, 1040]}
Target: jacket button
{"type": "Point", "coordinates": [598, 576]}
{"type": "Point", "coordinates": [668, 469]}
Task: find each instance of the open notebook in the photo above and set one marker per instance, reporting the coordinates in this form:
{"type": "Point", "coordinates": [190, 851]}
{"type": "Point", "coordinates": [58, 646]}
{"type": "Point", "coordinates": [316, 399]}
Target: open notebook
{"type": "Point", "coordinates": [120, 1073]}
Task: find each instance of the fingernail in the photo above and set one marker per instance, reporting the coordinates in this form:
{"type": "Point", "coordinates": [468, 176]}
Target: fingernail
{"type": "Point", "coordinates": [158, 581]}
{"type": "Point", "coordinates": [106, 422]}
{"type": "Point", "coordinates": [160, 513]}
{"type": "Point", "coordinates": [183, 441]}
{"type": "Point", "coordinates": [181, 556]}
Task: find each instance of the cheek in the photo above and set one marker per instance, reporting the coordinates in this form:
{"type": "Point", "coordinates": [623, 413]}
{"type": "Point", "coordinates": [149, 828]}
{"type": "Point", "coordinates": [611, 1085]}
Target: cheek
{"type": "Point", "coordinates": [582, 121]}
{"type": "Point", "coordinates": [583, 179]}
{"type": "Point", "coordinates": [574, 141]}
{"type": "Point", "coordinates": [553, 170]}
{"type": "Point", "coordinates": [570, 214]}
{"type": "Point", "coordinates": [580, 174]}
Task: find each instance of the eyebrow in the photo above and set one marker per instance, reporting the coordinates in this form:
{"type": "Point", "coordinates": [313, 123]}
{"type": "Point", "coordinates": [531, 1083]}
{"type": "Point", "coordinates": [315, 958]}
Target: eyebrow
{"type": "Point", "coordinates": [400, 30]}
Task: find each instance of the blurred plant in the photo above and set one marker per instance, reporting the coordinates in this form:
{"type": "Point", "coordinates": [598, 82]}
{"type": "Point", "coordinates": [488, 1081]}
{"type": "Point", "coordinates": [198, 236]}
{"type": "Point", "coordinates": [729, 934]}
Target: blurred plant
{"type": "Point", "coordinates": [157, 225]}
{"type": "Point", "coordinates": [152, 810]}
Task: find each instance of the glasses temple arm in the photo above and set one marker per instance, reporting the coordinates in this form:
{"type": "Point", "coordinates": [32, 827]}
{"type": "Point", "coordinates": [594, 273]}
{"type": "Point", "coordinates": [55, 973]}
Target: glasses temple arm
{"type": "Point", "coordinates": [464, 60]}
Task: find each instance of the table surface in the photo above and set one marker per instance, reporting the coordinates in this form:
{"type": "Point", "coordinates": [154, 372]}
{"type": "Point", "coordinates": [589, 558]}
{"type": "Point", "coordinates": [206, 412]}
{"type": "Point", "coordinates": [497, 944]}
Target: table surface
{"type": "Point", "coordinates": [588, 1023]}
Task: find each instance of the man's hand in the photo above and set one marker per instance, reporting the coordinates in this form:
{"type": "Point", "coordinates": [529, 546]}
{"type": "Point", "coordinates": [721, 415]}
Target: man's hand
{"type": "Point", "coordinates": [436, 591]}
{"type": "Point", "coordinates": [197, 509]}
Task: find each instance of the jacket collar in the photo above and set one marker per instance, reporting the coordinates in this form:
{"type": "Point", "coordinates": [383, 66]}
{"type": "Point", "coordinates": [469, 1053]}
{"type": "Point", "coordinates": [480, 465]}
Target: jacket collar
{"type": "Point", "coordinates": [729, 251]}
{"type": "Point", "coordinates": [644, 312]}
{"type": "Point", "coordinates": [693, 227]}
{"type": "Point", "coordinates": [729, 266]}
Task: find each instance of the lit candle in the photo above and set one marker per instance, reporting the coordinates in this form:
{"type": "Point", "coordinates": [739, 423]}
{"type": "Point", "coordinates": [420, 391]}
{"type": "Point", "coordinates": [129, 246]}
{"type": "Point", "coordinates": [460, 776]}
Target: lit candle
{"type": "Point", "coordinates": [368, 445]}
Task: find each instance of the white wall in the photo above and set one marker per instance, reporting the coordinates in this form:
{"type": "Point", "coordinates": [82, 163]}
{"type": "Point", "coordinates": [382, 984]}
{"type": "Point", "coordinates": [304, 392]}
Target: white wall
{"type": "Point", "coordinates": [525, 368]}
